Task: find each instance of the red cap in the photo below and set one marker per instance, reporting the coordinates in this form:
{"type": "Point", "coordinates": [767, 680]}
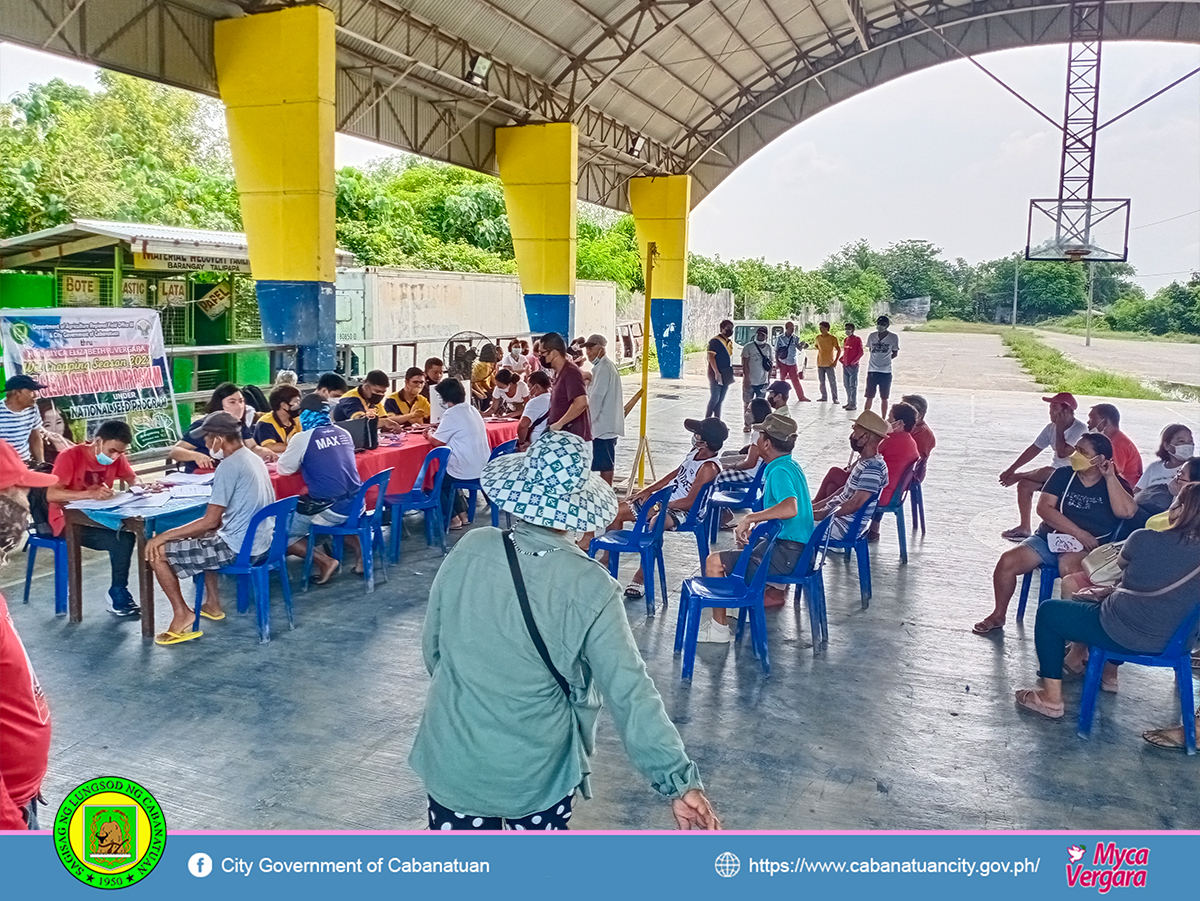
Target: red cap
{"type": "Point", "coordinates": [13, 471]}
{"type": "Point", "coordinates": [1065, 398]}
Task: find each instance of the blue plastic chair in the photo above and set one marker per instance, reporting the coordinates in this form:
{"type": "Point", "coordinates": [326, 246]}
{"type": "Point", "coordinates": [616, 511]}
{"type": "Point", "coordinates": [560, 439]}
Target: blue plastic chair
{"type": "Point", "coordinates": [860, 548]}
{"type": "Point", "coordinates": [418, 499]}
{"type": "Point", "coordinates": [59, 546]}
{"type": "Point", "coordinates": [1177, 656]}
{"type": "Point", "coordinates": [729, 591]}
{"type": "Point", "coordinates": [740, 497]}
{"type": "Point", "coordinates": [648, 542]}
{"type": "Point", "coordinates": [916, 494]}
{"type": "Point", "coordinates": [367, 527]}
{"type": "Point", "coordinates": [698, 526]}
{"type": "Point", "coordinates": [473, 488]}
{"type": "Point", "coordinates": [254, 573]}
{"type": "Point", "coordinates": [808, 579]}
{"type": "Point", "coordinates": [896, 507]}
{"type": "Point", "coordinates": [1046, 577]}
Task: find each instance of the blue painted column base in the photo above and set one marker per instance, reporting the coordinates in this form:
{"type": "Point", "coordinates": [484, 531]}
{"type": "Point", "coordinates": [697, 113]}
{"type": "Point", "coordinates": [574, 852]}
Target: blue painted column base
{"type": "Point", "coordinates": [551, 313]}
{"type": "Point", "coordinates": [303, 314]}
{"type": "Point", "coordinates": [666, 318]}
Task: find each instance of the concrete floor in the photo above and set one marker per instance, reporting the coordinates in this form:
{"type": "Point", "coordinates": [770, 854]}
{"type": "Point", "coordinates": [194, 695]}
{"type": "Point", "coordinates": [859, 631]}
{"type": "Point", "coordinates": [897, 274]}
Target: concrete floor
{"type": "Point", "coordinates": [906, 722]}
{"type": "Point", "coordinates": [1154, 361]}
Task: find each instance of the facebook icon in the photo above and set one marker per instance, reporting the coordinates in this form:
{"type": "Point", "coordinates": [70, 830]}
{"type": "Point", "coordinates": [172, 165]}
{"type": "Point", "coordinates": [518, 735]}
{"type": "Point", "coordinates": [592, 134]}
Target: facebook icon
{"type": "Point", "coordinates": [200, 865]}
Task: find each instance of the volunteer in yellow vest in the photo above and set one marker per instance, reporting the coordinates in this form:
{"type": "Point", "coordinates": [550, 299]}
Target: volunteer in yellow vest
{"type": "Point", "coordinates": [367, 401]}
{"type": "Point", "coordinates": [407, 405]}
{"type": "Point", "coordinates": [276, 429]}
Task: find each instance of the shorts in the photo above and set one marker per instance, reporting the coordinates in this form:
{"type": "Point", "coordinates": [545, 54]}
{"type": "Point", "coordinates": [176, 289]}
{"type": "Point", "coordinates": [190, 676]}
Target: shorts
{"type": "Point", "coordinates": [190, 557]}
{"type": "Point", "coordinates": [300, 522]}
{"type": "Point", "coordinates": [604, 454]}
{"type": "Point", "coordinates": [880, 380]}
{"type": "Point", "coordinates": [1039, 544]}
{"type": "Point", "coordinates": [677, 516]}
{"type": "Point", "coordinates": [783, 559]}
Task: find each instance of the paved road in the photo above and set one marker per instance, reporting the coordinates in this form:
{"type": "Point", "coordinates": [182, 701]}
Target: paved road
{"type": "Point", "coordinates": [1152, 360]}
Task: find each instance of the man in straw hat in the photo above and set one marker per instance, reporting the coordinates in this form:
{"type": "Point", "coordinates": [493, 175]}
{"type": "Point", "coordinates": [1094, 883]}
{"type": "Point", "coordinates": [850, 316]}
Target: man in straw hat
{"type": "Point", "coordinates": [867, 478]}
{"type": "Point", "coordinates": [501, 745]}
{"type": "Point", "coordinates": [785, 497]}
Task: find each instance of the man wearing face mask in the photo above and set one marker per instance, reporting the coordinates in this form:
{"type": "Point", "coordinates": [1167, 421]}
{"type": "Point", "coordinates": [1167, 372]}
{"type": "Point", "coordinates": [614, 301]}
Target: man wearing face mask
{"type": "Point", "coordinates": [241, 487]}
{"type": "Point", "coordinates": [867, 478]}
{"type": "Point", "coordinates": [367, 401]}
{"type": "Point", "coordinates": [24, 714]}
{"type": "Point", "coordinates": [756, 371]}
{"type": "Point", "coordinates": [278, 427]}
{"type": "Point", "coordinates": [87, 472]}
{"type": "Point", "coordinates": [720, 368]}
{"type": "Point", "coordinates": [1106, 419]}
{"type": "Point", "coordinates": [882, 347]}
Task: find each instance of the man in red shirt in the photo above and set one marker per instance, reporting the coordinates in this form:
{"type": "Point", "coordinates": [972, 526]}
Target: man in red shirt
{"type": "Point", "coordinates": [87, 472]}
{"type": "Point", "coordinates": [568, 397]}
{"type": "Point", "coordinates": [852, 351]}
{"type": "Point", "coordinates": [1106, 419]}
{"type": "Point", "coordinates": [921, 433]}
{"type": "Point", "coordinates": [24, 715]}
{"type": "Point", "coordinates": [899, 451]}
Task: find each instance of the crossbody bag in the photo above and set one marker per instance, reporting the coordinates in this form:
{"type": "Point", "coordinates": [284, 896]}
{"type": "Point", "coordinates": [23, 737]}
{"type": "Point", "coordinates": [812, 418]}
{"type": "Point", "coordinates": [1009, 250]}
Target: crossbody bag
{"type": "Point", "coordinates": [585, 712]}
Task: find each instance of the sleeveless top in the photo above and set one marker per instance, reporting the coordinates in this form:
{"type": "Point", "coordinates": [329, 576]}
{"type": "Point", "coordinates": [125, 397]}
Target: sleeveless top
{"type": "Point", "coordinates": [688, 470]}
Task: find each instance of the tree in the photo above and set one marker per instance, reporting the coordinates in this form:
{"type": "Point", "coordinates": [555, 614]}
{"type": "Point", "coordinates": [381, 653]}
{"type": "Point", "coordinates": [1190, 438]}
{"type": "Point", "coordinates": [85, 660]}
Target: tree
{"type": "Point", "coordinates": [1174, 308]}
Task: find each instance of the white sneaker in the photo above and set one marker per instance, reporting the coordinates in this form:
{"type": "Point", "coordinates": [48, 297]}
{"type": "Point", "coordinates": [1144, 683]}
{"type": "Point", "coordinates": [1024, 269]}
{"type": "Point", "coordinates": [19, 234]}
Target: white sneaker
{"type": "Point", "coordinates": [712, 632]}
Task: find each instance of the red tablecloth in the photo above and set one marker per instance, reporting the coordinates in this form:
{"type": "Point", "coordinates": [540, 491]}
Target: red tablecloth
{"type": "Point", "coordinates": [404, 460]}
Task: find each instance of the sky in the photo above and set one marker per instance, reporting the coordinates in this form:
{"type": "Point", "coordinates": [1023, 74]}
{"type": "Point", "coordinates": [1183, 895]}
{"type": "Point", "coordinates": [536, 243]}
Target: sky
{"type": "Point", "coordinates": [943, 155]}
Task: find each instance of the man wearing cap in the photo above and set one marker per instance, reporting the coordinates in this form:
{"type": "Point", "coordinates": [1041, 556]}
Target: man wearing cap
{"type": "Point", "coordinates": [785, 497]}
{"type": "Point", "coordinates": [756, 371]}
{"type": "Point", "coordinates": [323, 454]}
{"type": "Point", "coordinates": [88, 472]}
{"type": "Point", "coordinates": [606, 405]}
{"type": "Point", "coordinates": [699, 467]}
{"type": "Point", "coordinates": [1061, 434]}
{"type": "Point", "coordinates": [20, 420]}
{"type": "Point", "coordinates": [568, 397]}
{"type": "Point", "coordinates": [867, 479]}
{"type": "Point", "coordinates": [24, 714]}
{"type": "Point", "coordinates": [240, 488]}
{"type": "Point", "coordinates": [777, 397]}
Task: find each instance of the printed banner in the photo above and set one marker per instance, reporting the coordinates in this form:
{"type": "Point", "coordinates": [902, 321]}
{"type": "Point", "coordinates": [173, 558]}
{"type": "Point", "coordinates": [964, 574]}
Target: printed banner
{"type": "Point", "coordinates": [186, 262]}
{"type": "Point", "coordinates": [97, 364]}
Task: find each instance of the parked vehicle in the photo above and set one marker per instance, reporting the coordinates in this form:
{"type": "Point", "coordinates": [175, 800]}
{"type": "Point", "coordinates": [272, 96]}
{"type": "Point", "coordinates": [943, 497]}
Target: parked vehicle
{"type": "Point", "coordinates": [743, 334]}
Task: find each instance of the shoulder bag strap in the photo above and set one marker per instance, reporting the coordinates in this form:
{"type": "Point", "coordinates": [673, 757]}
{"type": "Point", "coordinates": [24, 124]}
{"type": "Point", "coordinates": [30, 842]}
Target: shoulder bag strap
{"type": "Point", "coordinates": [1179, 583]}
{"type": "Point", "coordinates": [519, 583]}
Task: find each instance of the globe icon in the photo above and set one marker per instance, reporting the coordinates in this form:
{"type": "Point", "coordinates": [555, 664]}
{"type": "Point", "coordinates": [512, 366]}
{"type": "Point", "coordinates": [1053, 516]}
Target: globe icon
{"type": "Point", "coordinates": [727, 864]}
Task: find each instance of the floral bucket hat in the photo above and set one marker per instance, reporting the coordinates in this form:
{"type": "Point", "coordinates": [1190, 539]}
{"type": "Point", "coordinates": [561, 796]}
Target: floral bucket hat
{"type": "Point", "coordinates": [550, 485]}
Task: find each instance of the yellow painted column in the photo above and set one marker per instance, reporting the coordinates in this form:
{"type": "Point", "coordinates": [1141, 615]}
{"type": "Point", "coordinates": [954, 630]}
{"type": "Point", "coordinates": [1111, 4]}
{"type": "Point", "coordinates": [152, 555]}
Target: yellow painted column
{"type": "Point", "coordinates": [660, 214]}
{"type": "Point", "coordinates": [539, 169]}
{"type": "Point", "coordinates": [275, 71]}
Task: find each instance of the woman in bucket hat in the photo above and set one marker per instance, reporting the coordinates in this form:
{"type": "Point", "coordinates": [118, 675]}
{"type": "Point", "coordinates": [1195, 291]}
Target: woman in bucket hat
{"type": "Point", "coordinates": [509, 721]}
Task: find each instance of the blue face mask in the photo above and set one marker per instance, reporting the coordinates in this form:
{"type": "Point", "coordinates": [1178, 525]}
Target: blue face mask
{"type": "Point", "coordinates": [104, 459]}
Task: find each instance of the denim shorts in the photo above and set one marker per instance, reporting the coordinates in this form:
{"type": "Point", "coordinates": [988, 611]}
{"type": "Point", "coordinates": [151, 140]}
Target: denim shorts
{"type": "Point", "coordinates": [1039, 544]}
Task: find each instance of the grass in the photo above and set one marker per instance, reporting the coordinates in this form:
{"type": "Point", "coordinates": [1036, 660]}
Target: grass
{"type": "Point", "coordinates": [1047, 366]}
{"type": "Point", "coordinates": [1077, 325]}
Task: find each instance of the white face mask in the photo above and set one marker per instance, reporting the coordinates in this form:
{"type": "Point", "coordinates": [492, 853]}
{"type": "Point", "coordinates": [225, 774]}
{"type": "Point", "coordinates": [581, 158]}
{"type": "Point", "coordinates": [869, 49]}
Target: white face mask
{"type": "Point", "coordinates": [1183, 451]}
{"type": "Point", "coordinates": [217, 453]}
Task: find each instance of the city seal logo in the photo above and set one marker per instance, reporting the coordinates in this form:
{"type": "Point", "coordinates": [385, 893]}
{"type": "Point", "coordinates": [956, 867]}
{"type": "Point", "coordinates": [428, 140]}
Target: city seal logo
{"type": "Point", "coordinates": [20, 332]}
{"type": "Point", "coordinates": [110, 832]}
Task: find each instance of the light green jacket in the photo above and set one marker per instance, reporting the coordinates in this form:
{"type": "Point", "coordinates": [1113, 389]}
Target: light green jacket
{"type": "Point", "coordinates": [498, 736]}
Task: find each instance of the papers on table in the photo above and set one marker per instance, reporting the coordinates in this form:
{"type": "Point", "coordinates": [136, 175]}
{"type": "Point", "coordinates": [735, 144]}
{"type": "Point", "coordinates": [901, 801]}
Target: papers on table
{"type": "Point", "coordinates": [157, 499]}
{"type": "Point", "coordinates": [189, 478]}
{"type": "Point", "coordinates": [191, 490]}
{"type": "Point", "coordinates": [116, 500]}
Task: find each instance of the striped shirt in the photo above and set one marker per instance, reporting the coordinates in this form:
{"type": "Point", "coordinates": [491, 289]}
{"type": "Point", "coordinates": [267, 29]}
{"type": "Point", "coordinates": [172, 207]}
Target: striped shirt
{"type": "Point", "coordinates": [15, 428]}
{"type": "Point", "coordinates": [867, 475]}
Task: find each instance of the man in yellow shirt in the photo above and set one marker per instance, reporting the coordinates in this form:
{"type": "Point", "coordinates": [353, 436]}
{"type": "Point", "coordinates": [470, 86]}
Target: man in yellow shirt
{"type": "Point", "coordinates": [407, 405]}
{"type": "Point", "coordinates": [829, 351]}
{"type": "Point", "coordinates": [367, 401]}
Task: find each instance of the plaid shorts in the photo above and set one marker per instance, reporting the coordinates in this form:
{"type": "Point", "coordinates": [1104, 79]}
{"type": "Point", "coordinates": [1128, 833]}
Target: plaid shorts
{"type": "Point", "coordinates": [191, 556]}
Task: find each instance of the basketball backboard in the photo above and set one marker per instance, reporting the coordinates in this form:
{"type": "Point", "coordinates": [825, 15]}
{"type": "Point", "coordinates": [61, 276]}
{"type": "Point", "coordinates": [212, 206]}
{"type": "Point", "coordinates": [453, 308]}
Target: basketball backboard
{"type": "Point", "coordinates": [1074, 230]}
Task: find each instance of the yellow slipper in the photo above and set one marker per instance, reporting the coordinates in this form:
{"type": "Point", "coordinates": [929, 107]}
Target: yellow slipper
{"type": "Point", "coordinates": [217, 618]}
{"type": "Point", "coordinates": [165, 638]}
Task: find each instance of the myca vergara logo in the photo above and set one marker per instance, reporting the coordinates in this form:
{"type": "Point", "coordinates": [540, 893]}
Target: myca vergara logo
{"type": "Point", "coordinates": [1110, 867]}
{"type": "Point", "coordinates": [110, 832]}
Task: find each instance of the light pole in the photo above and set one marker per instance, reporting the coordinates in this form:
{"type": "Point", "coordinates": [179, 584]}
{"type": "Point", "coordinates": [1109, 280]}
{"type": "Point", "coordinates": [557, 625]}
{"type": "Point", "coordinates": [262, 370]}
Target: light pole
{"type": "Point", "coordinates": [1016, 275]}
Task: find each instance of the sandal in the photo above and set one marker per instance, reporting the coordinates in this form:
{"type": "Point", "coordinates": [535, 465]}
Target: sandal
{"type": "Point", "coordinates": [1109, 685]}
{"type": "Point", "coordinates": [165, 638]}
{"type": "Point", "coordinates": [635, 590]}
{"type": "Point", "coordinates": [983, 627]}
{"type": "Point", "coordinates": [1160, 739]}
{"type": "Point", "coordinates": [215, 617]}
{"type": "Point", "coordinates": [1029, 699]}
{"type": "Point", "coordinates": [1016, 534]}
